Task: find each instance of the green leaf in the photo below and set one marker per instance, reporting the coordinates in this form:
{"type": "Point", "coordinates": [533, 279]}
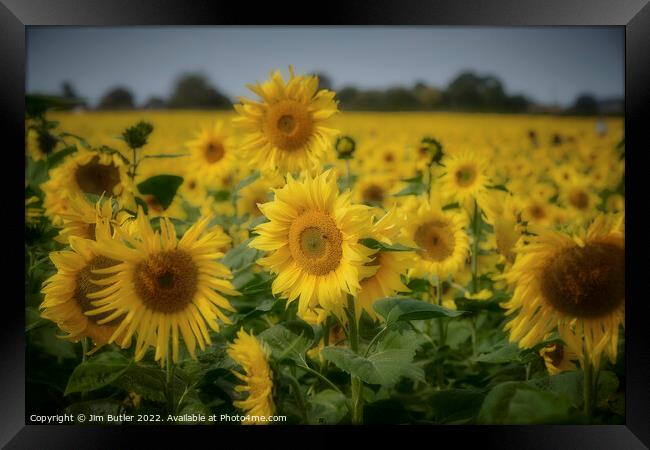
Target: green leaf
{"type": "Point", "coordinates": [385, 366]}
{"type": "Point", "coordinates": [97, 372]}
{"type": "Point", "coordinates": [166, 155]}
{"type": "Point", "coordinates": [505, 354]}
{"type": "Point", "coordinates": [162, 187]}
{"type": "Point", "coordinates": [84, 143]}
{"type": "Point", "coordinates": [149, 382]}
{"type": "Point", "coordinates": [220, 196]}
{"type": "Point", "coordinates": [456, 405]}
{"type": "Point", "coordinates": [56, 158]}
{"type": "Point", "coordinates": [33, 319]}
{"type": "Point", "coordinates": [394, 309]}
{"type": "Point", "coordinates": [415, 188]}
{"type": "Point", "coordinates": [246, 181]}
{"type": "Point", "coordinates": [241, 256]}
{"type": "Point", "coordinates": [356, 365]}
{"type": "Point", "coordinates": [570, 385]}
{"type": "Point", "coordinates": [36, 172]}
{"type": "Point", "coordinates": [327, 408]}
{"type": "Point", "coordinates": [257, 221]}
{"type": "Point", "coordinates": [521, 403]}
{"type": "Point", "coordinates": [376, 245]}
{"type": "Point", "coordinates": [285, 344]}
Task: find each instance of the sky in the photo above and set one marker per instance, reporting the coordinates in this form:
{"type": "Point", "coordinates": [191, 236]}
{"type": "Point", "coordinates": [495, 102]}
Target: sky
{"type": "Point", "coordinates": [551, 65]}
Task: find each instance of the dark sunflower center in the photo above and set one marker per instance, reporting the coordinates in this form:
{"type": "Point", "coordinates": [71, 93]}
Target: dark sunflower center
{"type": "Point", "coordinates": [286, 124]}
{"type": "Point", "coordinates": [579, 199]}
{"type": "Point", "coordinates": [586, 282]}
{"type": "Point", "coordinates": [465, 176]}
{"type": "Point", "coordinates": [84, 286]}
{"type": "Point", "coordinates": [373, 194]}
{"type": "Point", "coordinates": [96, 178]}
{"type": "Point", "coordinates": [389, 157]}
{"type": "Point", "coordinates": [537, 212]}
{"type": "Point", "coordinates": [214, 151]}
{"type": "Point", "coordinates": [167, 281]}
{"type": "Point", "coordinates": [435, 240]}
{"type": "Point", "coordinates": [315, 242]}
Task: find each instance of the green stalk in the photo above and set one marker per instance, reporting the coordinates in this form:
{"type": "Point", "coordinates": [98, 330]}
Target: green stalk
{"type": "Point", "coordinates": [588, 387]}
{"type": "Point", "coordinates": [476, 225]}
{"type": "Point", "coordinates": [441, 332]}
{"type": "Point", "coordinates": [356, 384]}
{"type": "Point", "coordinates": [295, 386]}
{"type": "Point", "coordinates": [349, 173]}
{"type": "Point", "coordinates": [169, 385]}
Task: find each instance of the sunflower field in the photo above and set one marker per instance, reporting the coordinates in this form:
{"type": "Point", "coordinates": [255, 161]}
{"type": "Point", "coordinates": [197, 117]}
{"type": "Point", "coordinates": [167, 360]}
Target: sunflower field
{"type": "Point", "coordinates": [289, 263]}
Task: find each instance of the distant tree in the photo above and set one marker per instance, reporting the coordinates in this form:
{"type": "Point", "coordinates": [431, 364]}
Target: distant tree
{"type": "Point", "coordinates": [154, 103]}
{"type": "Point", "coordinates": [585, 105]}
{"type": "Point", "coordinates": [117, 98]}
{"type": "Point", "coordinates": [401, 99]}
{"type": "Point", "coordinates": [194, 90]}
{"type": "Point", "coordinates": [324, 81]}
{"type": "Point", "coordinates": [69, 93]}
{"type": "Point", "coordinates": [429, 97]}
{"type": "Point", "coordinates": [348, 97]}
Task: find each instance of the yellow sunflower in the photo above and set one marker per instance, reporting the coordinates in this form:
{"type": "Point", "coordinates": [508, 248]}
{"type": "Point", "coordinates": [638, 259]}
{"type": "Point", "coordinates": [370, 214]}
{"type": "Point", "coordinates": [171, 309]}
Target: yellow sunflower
{"type": "Point", "coordinates": [388, 266]}
{"type": "Point", "coordinates": [252, 356]}
{"type": "Point", "coordinates": [85, 172]}
{"type": "Point", "coordinates": [466, 176]}
{"type": "Point", "coordinates": [81, 218]}
{"type": "Point", "coordinates": [67, 293]}
{"type": "Point", "coordinates": [374, 189]}
{"type": "Point", "coordinates": [441, 240]}
{"type": "Point", "coordinates": [257, 192]}
{"type": "Point", "coordinates": [313, 242]}
{"type": "Point", "coordinates": [165, 285]}
{"type": "Point", "coordinates": [33, 212]}
{"type": "Point", "coordinates": [573, 282]}
{"type": "Point", "coordinates": [213, 154]}
{"type": "Point", "coordinates": [285, 130]}
{"type": "Point", "coordinates": [558, 358]}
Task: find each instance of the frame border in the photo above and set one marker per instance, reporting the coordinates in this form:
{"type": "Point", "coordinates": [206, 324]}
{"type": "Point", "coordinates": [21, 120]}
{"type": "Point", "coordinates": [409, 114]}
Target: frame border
{"type": "Point", "coordinates": [634, 15]}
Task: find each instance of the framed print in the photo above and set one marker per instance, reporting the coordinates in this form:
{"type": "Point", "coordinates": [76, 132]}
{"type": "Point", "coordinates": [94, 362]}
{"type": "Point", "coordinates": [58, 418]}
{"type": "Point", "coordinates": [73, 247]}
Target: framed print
{"type": "Point", "coordinates": [397, 214]}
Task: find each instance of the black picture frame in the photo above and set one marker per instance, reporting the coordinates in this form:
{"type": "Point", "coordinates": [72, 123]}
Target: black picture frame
{"type": "Point", "coordinates": [633, 15]}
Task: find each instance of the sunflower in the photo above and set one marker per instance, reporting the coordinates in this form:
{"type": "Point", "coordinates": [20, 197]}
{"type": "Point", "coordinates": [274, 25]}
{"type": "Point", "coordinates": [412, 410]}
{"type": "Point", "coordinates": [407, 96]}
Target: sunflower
{"type": "Point", "coordinates": [578, 196]}
{"type": "Point", "coordinates": [33, 212]}
{"type": "Point", "coordinates": [81, 218]}
{"type": "Point", "coordinates": [441, 240]}
{"type": "Point", "coordinates": [41, 144]}
{"type": "Point", "coordinates": [313, 242]}
{"type": "Point", "coordinates": [558, 358]}
{"type": "Point", "coordinates": [388, 266]}
{"type": "Point", "coordinates": [575, 282]}
{"type": "Point", "coordinates": [502, 212]}
{"type": "Point", "coordinates": [252, 356]}
{"type": "Point", "coordinates": [213, 153]}
{"type": "Point", "coordinates": [85, 172]}
{"type": "Point", "coordinates": [285, 130]}
{"type": "Point", "coordinates": [374, 189]}
{"type": "Point", "coordinates": [466, 176]}
{"type": "Point", "coordinates": [67, 293]}
{"type": "Point", "coordinates": [255, 193]}
{"type": "Point", "coordinates": [164, 285]}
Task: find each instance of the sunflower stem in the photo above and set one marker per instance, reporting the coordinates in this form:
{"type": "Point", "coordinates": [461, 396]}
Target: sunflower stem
{"type": "Point", "coordinates": [356, 384]}
{"type": "Point", "coordinates": [349, 174]}
{"type": "Point", "coordinates": [169, 385]}
{"type": "Point", "coordinates": [588, 388]}
{"type": "Point", "coordinates": [320, 376]}
{"type": "Point", "coordinates": [476, 229]}
{"type": "Point", "coordinates": [441, 332]}
{"type": "Point", "coordinates": [300, 400]}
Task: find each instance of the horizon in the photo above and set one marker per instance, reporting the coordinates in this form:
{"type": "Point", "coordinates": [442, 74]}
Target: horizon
{"type": "Point", "coordinates": [548, 65]}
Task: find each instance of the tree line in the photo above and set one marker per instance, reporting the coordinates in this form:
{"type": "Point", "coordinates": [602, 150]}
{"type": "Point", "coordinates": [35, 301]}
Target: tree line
{"type": "Point", "coordinates": [467, 92]}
